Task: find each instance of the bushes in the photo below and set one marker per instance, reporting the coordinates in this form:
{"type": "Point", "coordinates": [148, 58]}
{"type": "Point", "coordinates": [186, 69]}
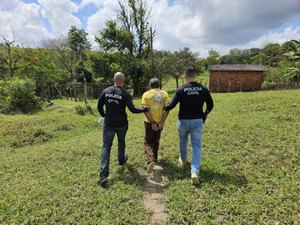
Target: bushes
{"type": "Point", "coordinates": [18, 96]}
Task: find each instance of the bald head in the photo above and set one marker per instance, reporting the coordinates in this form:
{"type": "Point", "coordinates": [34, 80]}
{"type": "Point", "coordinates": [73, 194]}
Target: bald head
{"type": "Point", "coordinates": [119, 79]}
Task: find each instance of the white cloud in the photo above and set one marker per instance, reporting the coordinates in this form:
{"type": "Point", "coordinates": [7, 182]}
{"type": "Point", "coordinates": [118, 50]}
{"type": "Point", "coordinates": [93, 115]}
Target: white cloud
{"type": "Point", "coordinates": [105, 11]}
{"type": "Point", "coordinates": [21, 22]}
{"type": "Point", "coordinates": [59, 14]}
{"type": "Point", "coordinates": [278, 37]}
{"type": "Point", "coordinates": [202, 25]}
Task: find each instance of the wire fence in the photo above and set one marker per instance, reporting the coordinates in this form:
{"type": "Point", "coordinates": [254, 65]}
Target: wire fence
{"type": "Point", "coordinates": [71, 91]}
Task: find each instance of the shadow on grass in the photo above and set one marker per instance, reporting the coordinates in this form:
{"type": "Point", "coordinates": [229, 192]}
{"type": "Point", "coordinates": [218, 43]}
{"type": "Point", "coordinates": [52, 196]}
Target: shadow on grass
{"type": "Point", "coordinates": [128, 174]}
{"type": "Point", "coordinates": [174, 172]}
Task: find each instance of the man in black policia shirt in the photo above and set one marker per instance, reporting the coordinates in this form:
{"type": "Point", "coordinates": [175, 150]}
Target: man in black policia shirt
{"type": "Point", "coordinates": [115, 99]}
{"type": "Point", "coordinates": [191, 118]}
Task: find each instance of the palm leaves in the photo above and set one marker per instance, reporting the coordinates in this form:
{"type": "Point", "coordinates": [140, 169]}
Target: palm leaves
{"type": "Point", "coordinates": [293, 72]}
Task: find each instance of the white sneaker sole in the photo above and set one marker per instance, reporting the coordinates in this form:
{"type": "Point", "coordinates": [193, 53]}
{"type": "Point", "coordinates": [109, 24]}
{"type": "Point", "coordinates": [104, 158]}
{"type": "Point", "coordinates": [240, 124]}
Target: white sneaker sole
{"type": "Point", "coordinates": [195, 180]}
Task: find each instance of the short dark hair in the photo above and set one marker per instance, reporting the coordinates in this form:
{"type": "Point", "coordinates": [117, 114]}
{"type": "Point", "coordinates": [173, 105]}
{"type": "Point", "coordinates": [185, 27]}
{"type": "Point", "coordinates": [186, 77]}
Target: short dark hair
{"type": "Point", "coordinates": [154, 83]}
{"type": "Point", "coordinates": [190, 71]}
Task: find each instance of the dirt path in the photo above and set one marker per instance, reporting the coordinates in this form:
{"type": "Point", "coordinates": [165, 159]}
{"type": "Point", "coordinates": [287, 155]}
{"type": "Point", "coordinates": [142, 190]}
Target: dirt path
{"type": "Point", "coordinates": [153, 198]}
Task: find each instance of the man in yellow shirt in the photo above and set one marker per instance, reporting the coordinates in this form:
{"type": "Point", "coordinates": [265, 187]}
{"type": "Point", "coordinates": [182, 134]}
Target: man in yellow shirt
{"type": "Point", "coordinates": [155, 99]}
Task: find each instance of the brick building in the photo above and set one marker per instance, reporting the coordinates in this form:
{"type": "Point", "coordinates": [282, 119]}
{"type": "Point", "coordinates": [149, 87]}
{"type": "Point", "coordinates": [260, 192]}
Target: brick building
{"type": "Point", "coordinates": [235, 77]}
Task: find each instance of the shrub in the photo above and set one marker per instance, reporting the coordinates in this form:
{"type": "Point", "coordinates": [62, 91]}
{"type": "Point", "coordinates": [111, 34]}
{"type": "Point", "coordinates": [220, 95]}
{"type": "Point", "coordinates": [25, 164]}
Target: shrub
{"type": "Point", "coordinates": [18, 96]}
{"type": "Point", "coordinates": [80, 110]}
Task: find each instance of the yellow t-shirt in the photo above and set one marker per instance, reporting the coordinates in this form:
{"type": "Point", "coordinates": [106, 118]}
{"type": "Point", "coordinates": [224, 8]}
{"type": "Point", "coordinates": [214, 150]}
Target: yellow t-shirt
{"type": "Point", "coordinates": [155, 99]}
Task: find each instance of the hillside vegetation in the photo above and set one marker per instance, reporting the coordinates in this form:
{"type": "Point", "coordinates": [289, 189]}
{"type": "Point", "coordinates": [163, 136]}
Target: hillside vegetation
{"type": "Point", "coordinates": [49, 166]}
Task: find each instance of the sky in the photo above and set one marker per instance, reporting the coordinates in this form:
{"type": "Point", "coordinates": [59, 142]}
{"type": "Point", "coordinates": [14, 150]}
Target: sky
{"type": "Point", "coordinates": [200, 25]}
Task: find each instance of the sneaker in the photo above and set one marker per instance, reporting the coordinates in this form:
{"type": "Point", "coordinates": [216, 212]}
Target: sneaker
{"type": "Point", "coordinates": [183, 162]}
{"type": "Point", "coordinates": [150, 167]}
{"type": "Point", "coordinates": [102, 181]}
{"type": "Point", "coordinates": [125, 160]}
{"type": "Point", "coordinates": [195, 179]}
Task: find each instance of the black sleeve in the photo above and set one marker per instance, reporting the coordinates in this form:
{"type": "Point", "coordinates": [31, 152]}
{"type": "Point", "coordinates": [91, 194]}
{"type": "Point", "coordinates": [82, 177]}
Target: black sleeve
{"type": "Point", "coordinates": [173, 103]}
{"type": "Point", "coordinates": [101, 104]}
{"type": "Point", "coordinates": [131, 106]}
{"type": "Point", "coordinates": [209, 102]}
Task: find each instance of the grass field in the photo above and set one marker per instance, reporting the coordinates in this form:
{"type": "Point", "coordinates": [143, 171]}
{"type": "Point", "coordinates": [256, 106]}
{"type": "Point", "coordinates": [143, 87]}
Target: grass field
{"type": "Point", "coordinates": [49, 166]}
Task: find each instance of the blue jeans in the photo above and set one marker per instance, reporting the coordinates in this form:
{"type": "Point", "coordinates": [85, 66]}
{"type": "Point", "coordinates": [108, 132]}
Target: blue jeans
{"type": "Point", "coordinates": [194, 127]}
{"type": "Point", "coordinates": [108, 137]}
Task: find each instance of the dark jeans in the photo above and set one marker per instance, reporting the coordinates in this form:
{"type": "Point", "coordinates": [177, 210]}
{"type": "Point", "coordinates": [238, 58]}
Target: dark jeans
{"type": "Point", "coordinates": [151, 143]}
{"type": "Point", "coordinates": [108, 137]}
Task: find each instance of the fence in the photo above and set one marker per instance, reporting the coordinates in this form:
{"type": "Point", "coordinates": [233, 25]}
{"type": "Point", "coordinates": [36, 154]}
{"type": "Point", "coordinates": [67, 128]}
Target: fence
{"type": "Point", "coordinates": [280, 85]}
{"type": "Point", "coordinates": [73, 90]}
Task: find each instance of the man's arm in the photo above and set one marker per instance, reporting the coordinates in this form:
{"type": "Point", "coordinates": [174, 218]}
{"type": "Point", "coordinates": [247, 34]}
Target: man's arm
{"type": "Point", "coordinates": [209, 105]}
{"type": "Point", "coordinates": [163, 119]}
{"type": "Point", "coordinates": [131, 106]}
{"type": "Point", "coordinates": [101, 104]}
{"type": "Point", "coordinates": [173, 103]}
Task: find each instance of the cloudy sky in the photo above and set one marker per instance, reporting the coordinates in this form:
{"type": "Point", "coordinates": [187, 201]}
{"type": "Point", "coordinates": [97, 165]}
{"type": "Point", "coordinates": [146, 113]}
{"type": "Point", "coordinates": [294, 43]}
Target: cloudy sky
{"type": "Point", "coordinates": [200, 25]}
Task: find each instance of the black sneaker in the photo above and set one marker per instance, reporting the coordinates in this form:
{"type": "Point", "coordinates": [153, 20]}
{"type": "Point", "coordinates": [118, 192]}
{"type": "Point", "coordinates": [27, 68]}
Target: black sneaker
{"type": "Point", "coordinates": [102, 181]}
{"type": "Point", "coordinates": [125, 160]}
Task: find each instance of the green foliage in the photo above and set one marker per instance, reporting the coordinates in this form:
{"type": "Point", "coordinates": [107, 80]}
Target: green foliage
{"type": "Point", "coordinates": [105, 65]}
{"type": "Point", "coordinates": [18, 96]}
{"type": "Point", "coordinates": [80, 110]}
{"type": "Point", "coordinates": [237, 56]}
{"type": "Point", "coordinates": [270, 55]}
{"type": "Point", "coordinates": [273, 74]}
{"type": "Point", "coordinates": [132, 38]}
{"type": "Point", "coordinates": [115, 39]}
{"type": "Point", "coordinates": [293, 71]}
{"type": "Point", "coordinates": [178, 61]}
{"type": "Point", "coordinates": [13, 59]}
{"type": "Point", "coordinates": [212, 58]}
{"type": "Point", "coordinates": [77, 40]}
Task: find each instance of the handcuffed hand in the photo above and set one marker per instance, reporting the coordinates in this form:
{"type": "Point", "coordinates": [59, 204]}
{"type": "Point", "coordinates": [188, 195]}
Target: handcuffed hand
{"type": "Point", "coordinates": [160, 126]}
{"type": "Point", "coordinates": [154, 126]}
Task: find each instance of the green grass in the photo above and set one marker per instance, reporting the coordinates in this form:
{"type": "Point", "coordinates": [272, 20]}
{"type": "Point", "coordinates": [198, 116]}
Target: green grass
{"type": "Point", "coordinates": [49, 166]}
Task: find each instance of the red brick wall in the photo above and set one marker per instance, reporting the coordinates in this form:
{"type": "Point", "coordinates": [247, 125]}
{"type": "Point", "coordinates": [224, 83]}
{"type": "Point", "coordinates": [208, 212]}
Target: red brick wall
{"type": "Point", "coordinates": [232, 81]}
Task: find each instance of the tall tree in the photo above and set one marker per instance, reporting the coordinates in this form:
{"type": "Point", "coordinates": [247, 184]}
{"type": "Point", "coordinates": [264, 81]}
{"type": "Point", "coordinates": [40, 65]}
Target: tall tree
{"type": "Point", "coordinates": [79, 45]}
{"type": "Point", "coordinates": [270, 55]}
{"type": "Point", "coordinates": [162, 65]}
{"type": "Point", "coordinates": [61, 54]}
{"type": "Point", "coordinates": [132, 37]}
{"type": "Point", "coordinates": [212, 58]}
{"type": "Point", "coordinates": [180, 60]}
{"type": "Point", "coordinates": [293, 72]}
{"type": "Point", "coordinates": [10, 56]}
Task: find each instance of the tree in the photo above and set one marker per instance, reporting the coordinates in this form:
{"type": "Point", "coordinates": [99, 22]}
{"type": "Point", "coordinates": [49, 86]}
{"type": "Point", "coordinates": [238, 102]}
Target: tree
{"type": "Point", "coordinates": [79, 45]}
{"type": "Point", "coordinates": [293, 72]}
{"type": "Point", "coordinates": [287, 47]}
{"type": "Point", "coordinates": [237, 56]}
{"type": "Point", "coordinates": [132, 38]}
{"type": "Point", "coordinates": [9, 56]}
{"type": "Point", "coordinates": [213, 58]}
{"type": "Point", "coordinates": [179, 61]}
{"type": "Point", "coordinates": [77, 41]}
{"type": "Point", "coordinates": [61, 55]}
{"type": "Point", "coordinates": [270, 55]}
{"type": "Point", "coordinates": [162, 66]}
{"type": "Point", "coordinates": [104, 64]}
